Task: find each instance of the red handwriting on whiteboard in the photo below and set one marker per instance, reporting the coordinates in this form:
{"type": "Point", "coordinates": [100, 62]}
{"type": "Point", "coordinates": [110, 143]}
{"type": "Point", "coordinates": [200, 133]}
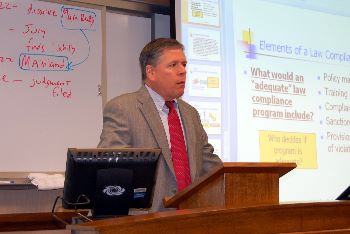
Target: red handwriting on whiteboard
{"type": "Point", "coordinates": [87, 18]}
{"type": "Point", "coordinates": [43, 62]}
{"type": "Point", "coordinates": [48, 83]}
{"type": "Point", "coordinates": [66, 48]}
{"type": "Point", "coordinates": [79, 16]}
{"type": "Point", "coordinates": [6, 59]}
{"type": "Point", "coordinates": [5, 79]}
{"type": "Point", "coordinates": [39, 47]}
{"type": "Point", "coordinates": [59, 88]}
{"type": "Point", "coordinates": [59, 91]}
{"type": "Point", "coordinates": [31, 29]}
{"type": "Point", "coordinates": [41, 11]}
{"type": "Point", "coordinates": [7, 6]}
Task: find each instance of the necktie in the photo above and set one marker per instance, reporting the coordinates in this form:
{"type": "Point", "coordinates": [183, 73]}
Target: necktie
{"type": "Point", "coordinates": [178, 148]}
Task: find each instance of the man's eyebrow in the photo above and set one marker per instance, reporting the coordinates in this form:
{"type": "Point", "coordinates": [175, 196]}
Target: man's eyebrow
{"type": "Point", "coordinates": [174, 61]}
{"type": "Point", "coordinates": [178, 60]}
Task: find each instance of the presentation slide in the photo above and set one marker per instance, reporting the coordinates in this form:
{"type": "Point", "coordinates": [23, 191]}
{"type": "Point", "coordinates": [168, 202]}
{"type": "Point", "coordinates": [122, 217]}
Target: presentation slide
{"type": "Point", "coordinates": [271, 81]}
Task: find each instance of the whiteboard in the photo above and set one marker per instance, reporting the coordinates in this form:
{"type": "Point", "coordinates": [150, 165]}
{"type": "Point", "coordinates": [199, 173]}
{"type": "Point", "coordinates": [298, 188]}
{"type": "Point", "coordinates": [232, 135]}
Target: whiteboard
{"type": "Point", "coordinates": [50, 69]}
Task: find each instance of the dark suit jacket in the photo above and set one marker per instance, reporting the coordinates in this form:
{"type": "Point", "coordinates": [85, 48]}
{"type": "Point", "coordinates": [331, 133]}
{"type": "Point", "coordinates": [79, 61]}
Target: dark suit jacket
{"type": "Point", "coordinates": [132, 120]}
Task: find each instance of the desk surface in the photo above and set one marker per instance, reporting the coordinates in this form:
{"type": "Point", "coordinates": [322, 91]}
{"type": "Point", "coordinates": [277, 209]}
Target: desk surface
{"type": "Point", "coordinates": [285, 218]}
{"type": "Point", "coordinates": [35, 221]}
{"type": "Point", "coordinates": [16, 184]}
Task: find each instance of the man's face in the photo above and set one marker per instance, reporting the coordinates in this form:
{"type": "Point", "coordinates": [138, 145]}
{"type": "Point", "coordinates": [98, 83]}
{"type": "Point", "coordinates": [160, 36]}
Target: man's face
{"type": "Point", "coordinates": [168, 76]}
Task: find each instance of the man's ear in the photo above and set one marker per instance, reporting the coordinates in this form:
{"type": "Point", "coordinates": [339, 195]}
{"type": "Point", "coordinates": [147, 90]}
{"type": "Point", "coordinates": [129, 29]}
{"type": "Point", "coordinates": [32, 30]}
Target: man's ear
{"type": "Point", "coordinates": [149, 72]}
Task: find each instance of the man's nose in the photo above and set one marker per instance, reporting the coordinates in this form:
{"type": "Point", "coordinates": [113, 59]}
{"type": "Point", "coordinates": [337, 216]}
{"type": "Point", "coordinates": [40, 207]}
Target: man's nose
{"type": "Point", "coordinates": [182, 69]}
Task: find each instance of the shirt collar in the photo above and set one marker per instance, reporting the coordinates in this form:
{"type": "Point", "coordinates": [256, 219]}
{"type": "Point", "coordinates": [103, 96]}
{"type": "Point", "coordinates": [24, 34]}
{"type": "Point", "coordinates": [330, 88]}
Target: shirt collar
{"type": "Point", "coordinates": [159, 100]}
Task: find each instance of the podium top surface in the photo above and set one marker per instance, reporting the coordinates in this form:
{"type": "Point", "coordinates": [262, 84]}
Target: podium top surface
{"type": "Point", "coordinates": [257, 167]}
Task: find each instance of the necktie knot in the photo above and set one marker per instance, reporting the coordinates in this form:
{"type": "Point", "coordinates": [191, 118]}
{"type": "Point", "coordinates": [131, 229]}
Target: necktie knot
{"type": "Point", "coordinates": [170, 105]}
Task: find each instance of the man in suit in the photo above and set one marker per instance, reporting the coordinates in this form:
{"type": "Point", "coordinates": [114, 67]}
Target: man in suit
{"type": "Point", "coordinates": [140, 119]}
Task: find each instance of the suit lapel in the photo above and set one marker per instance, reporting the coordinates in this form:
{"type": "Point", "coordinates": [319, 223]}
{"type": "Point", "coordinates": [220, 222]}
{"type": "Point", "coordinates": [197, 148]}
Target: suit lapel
{"type": "Point", "coordinates": [186, 119]}
{"type": "Point", "coordinates": [151, 115]}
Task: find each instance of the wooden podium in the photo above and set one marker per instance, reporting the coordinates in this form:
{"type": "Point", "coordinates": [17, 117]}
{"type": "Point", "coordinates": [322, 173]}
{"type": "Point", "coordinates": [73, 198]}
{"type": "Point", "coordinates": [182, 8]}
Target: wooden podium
{"type": "Point", "coordinates": [237, 198]}
{"type": "Point", "coordinates": [234, 185]}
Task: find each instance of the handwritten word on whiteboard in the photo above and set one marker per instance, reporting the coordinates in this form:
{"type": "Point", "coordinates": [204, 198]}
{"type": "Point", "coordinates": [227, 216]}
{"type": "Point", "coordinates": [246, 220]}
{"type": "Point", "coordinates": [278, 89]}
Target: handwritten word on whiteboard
{"type": "Point", "coordinates": [41, 45]}
{"type": "Point", "coordinates": [50, 71]}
